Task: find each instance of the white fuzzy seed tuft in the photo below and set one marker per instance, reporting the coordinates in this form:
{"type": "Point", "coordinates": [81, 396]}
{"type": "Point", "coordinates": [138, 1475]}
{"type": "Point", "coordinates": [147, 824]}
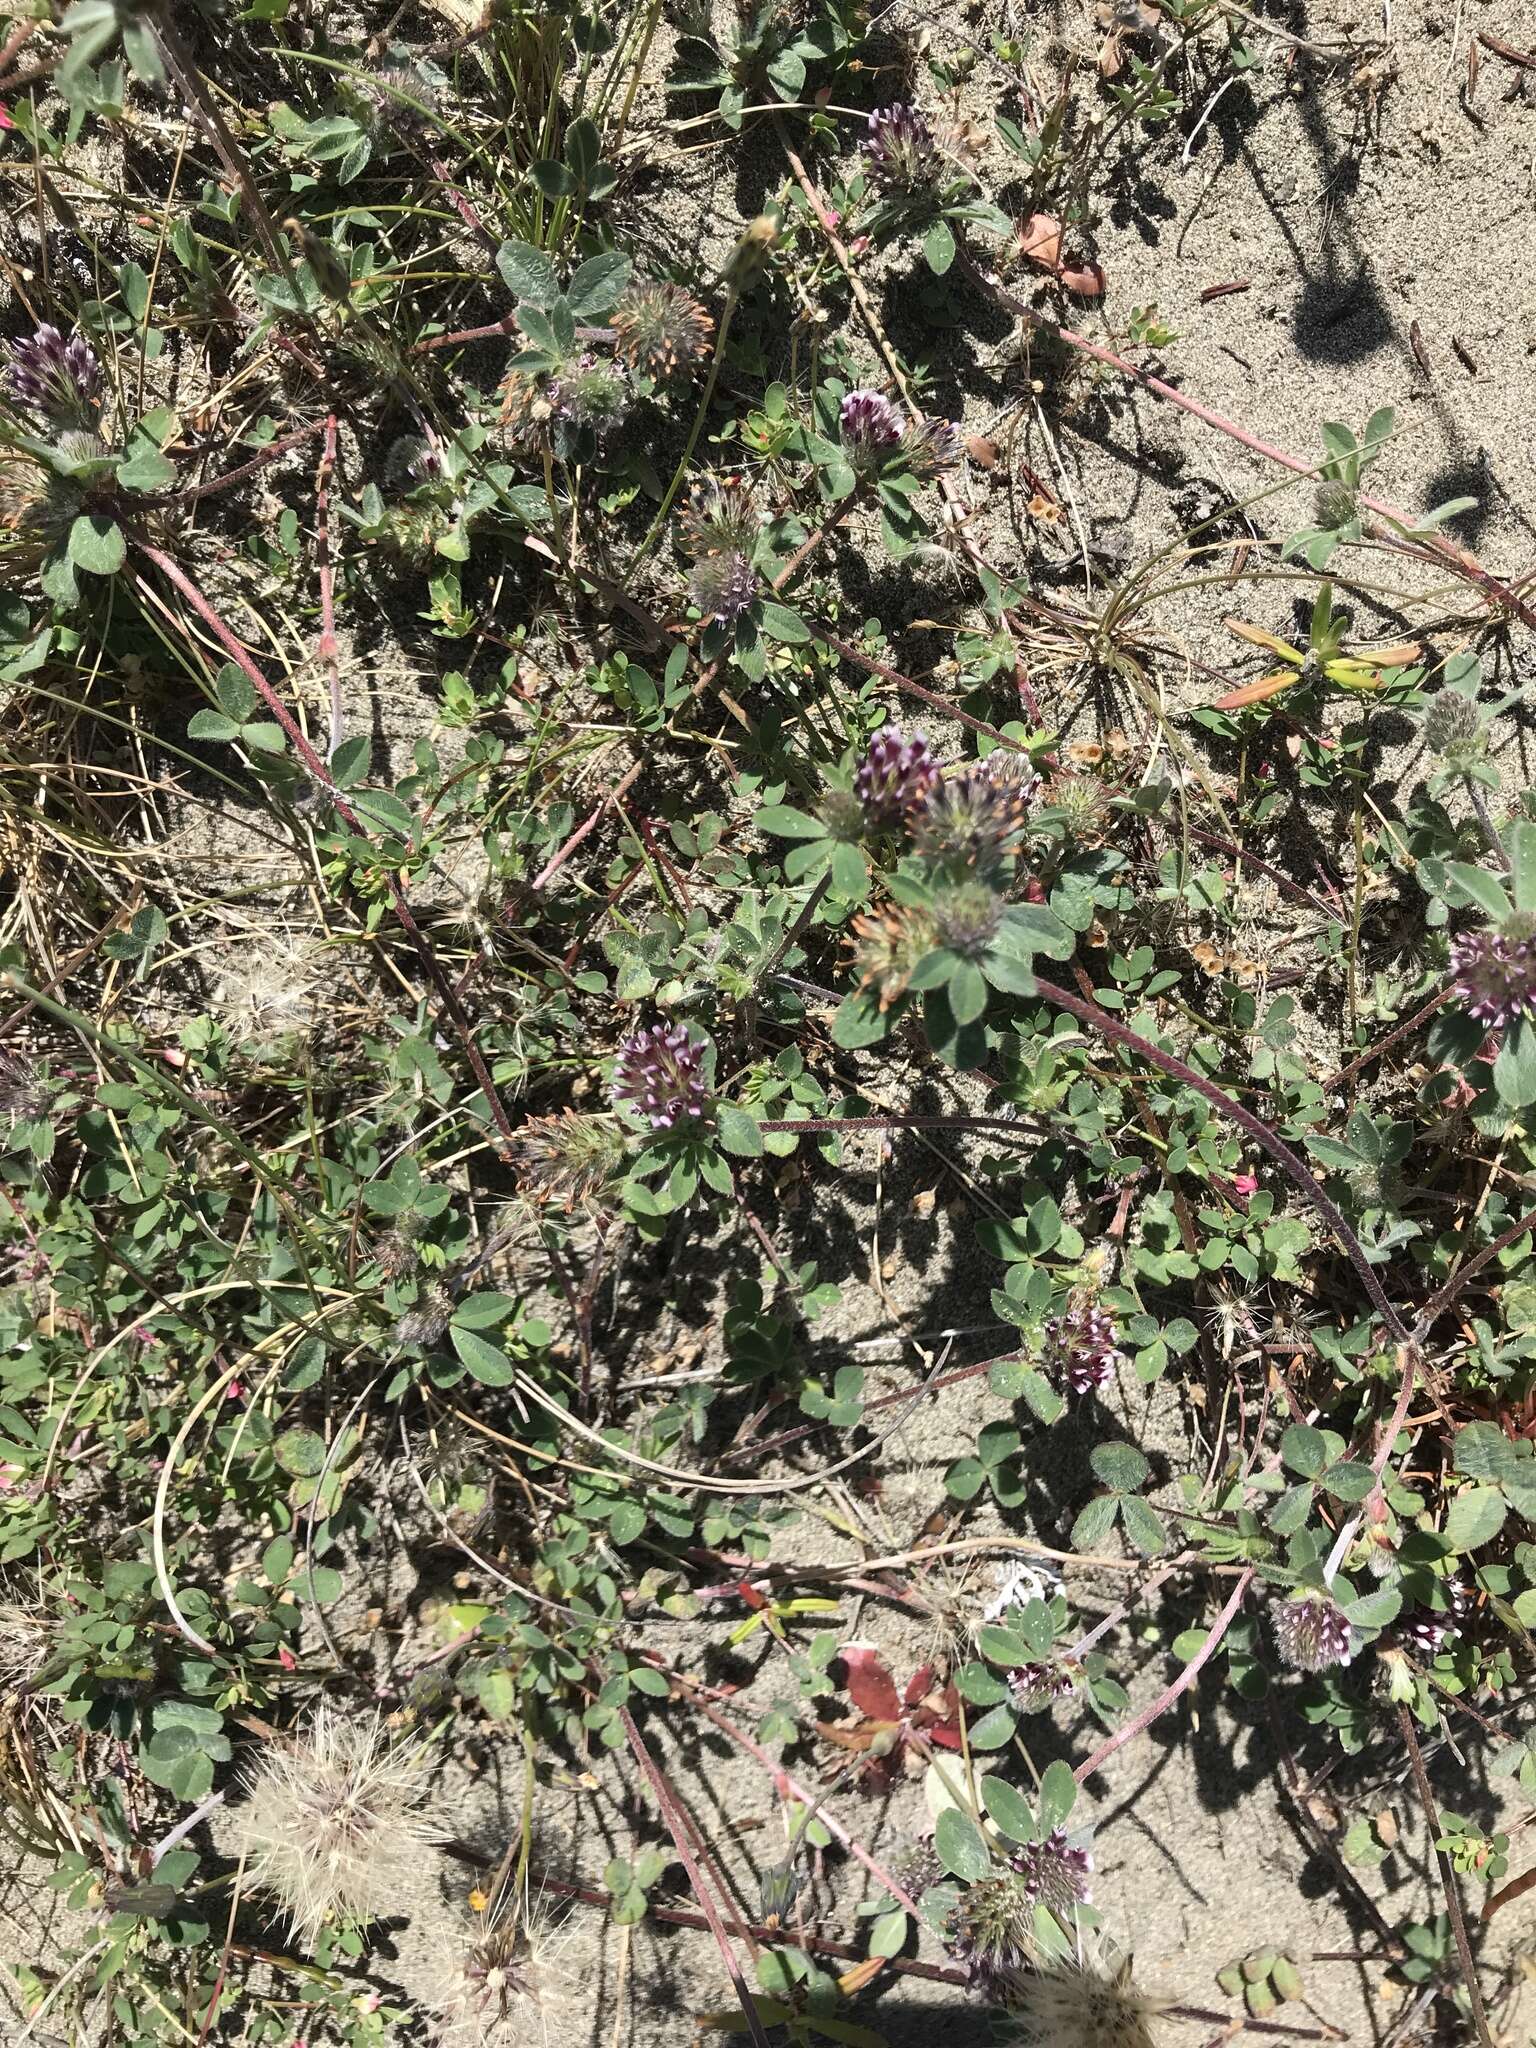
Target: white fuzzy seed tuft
{"type": "Point", "coordinates": [329, 1826]}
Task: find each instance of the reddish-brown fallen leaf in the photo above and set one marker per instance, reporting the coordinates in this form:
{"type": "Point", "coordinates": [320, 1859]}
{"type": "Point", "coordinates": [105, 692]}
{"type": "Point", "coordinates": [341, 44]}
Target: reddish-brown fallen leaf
{"type": "Point", "coordinates": [870, 1686]}
{"type": "Point", "coordinates": [1085, 279]}
{"type": "Point", "coordinates": [1040, 241]}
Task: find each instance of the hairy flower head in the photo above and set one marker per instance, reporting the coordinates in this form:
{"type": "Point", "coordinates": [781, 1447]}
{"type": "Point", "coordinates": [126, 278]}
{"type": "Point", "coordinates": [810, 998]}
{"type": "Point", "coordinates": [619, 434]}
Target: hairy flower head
{"type": "Point", "coordinates": [58, 377]}
{"type": "Point", "coordinates": [329, 1826]}
{"type": "Point", "coordinates": [1311, 1631]}
{"type": "Point", "coordinates": [896, 777]}
{"type": "Point", "coordinates": [1495, 971]}
{"type": "Point", "coordinates": [660, 1073]}
{"type": "Point", "coordinates": [1080, 1348]}
{"type": "Point", "coordinates": [662, 333]}
{"type": "Point", "coordinates": [723, 586]}
{"type": "Point", "coordinates": [900, 153]}
{"type": "Point", "coordinates": [972, 822]}
{"type": "Point", "coordinates": [720, 517]}
{"type": "Point", "coordinates": [1056, 1872]}
{"type": "Point", "coordinates": [887, 948]}
{"type": "Point", "coordinates": [871, 427]}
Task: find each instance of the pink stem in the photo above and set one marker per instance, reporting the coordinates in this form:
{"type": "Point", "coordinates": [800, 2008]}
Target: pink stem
{"type": "Point", "coordinates": [1166, 1698]}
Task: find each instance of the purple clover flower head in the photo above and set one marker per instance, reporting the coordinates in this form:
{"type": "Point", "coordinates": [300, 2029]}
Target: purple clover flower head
{"type": "Point", "coordinates": [59, 379]}
{"type": "Point", "coordinates": [1033, 1686]}
{"type": "Point", "coordinates": [723, 585]}
{"type": "Point", "coordinates": [1312, 1632]}
{"type": "Point", "coordinates": [931, 447]}
{"type": "Point", "coordinates": [1495, 972]}
{"type": "Point", "coordinates": [660, 1073]}
{"type": "Point", "coordinates": [871, 426]}
{"type": "Point", "coordinates": [1081, 1347]}
{"type": "Point", "coordinates": [895, 776]}
{"type": "Point", "coordinates": [1054, 1872]}
{"type": "Point", "coordinates": [899, 150]}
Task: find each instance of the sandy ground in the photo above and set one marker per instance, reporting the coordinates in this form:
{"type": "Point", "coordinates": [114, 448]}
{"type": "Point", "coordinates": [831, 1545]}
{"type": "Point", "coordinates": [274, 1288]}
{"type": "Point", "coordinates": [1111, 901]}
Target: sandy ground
{"type": "Point", "coordinates": [1380, 217]}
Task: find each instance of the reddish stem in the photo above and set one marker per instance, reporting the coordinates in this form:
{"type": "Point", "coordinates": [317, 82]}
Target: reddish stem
{"type": "Point", "coordinates": [326, 651]}
{"type": "Point", "coordinates": [1138, 1723]}
{"type": "Point", "coordinates": [669, 1813]}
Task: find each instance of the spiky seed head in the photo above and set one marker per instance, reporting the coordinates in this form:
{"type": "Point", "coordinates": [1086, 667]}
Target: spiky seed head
{"type": "Point", "coordinates": [990, 1930]}
{"type": "Point", "coordinates": [270, 990]}
{"type": "Point", "coordinates": [723, 586]}
{"type": "Point", "coordinates": [330, 1827]}
{"type": "Point", "coordinates": [426, 1319]}
{"type": "Point", "coordinates": [1311, 1631]}
{"type": "Point", "coordinates": [1055, 1872]}
{"type": "Point", "coordinates": [887, 948]}
{"type": "Point", "coordinates": [570, 1161]}
{"type": "Point", "coordinates": [870, 425]}
{"type": "Point", "coordinates": [972, 823]}
{"type": "Point", "coordinates": [967, 918]}
{"type": "Point", "coordinates": [55, 376]}
{"type": "Point", "coordinates": [659, 1073]}
{"type": "Point", "coordinates": [1089, 2000]}
{"type": "Point", "coordinates": [1082, 806]}
{"type": "Point", "coordinates": [900, 153]}
{"type": "Point", "coordinates": [1495, 971]}
{"type": "Point", "coordinates": [1335, 505]}
{"type": "Point", "coordinates": [896, 776]}
{"type": "Point", "coordinates": [1034, 1686]}
{"type": "Point", "coordinates": [931, 447]}
{"type": "Point", "coordinates": [26, 1095]}
{"type": "Point", "coordinates": [1080, 1348]}
{"type": "Point", "coordinates": [1451, 725]}
{"type": "Point", "coordinates": [498, 1983]}
{"type": "Point", "coordinates": [720, 518]}
{"type": "Point", "coordinates": [661, 332]}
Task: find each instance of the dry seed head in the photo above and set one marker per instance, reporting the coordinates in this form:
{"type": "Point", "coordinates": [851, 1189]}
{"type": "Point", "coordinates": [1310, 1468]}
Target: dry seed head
{"type": "Point", "coordinates": [329, 1827]}
{"type": "Point", "coordinates": [269, 988]}
{"type": "Point", "coordinates": [1085, 2001]}
{"type": "Point", "coordinates": [496, 1983]}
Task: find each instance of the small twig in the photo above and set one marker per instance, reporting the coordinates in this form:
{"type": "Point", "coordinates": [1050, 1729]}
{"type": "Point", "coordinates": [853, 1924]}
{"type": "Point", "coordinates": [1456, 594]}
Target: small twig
{"type": "Point", "coordinates": [1447, 1876]}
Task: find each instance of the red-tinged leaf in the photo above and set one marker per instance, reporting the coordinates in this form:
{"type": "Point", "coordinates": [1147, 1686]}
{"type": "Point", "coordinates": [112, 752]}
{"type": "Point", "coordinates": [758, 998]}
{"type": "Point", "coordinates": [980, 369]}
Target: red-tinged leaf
{"type": "Point", "coordinates": [870, 1685]}
{"type": "Point", "coordinates": [750, 1594]}
{"type": "Point", "coordinates": [1254, 693]}
{"type": "Point", "coordinates": [946, 1736]}
{"type": "Point", "coordinates": [917, 1685]}
{"type": "Point", "coordinates": [1392, 657]}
